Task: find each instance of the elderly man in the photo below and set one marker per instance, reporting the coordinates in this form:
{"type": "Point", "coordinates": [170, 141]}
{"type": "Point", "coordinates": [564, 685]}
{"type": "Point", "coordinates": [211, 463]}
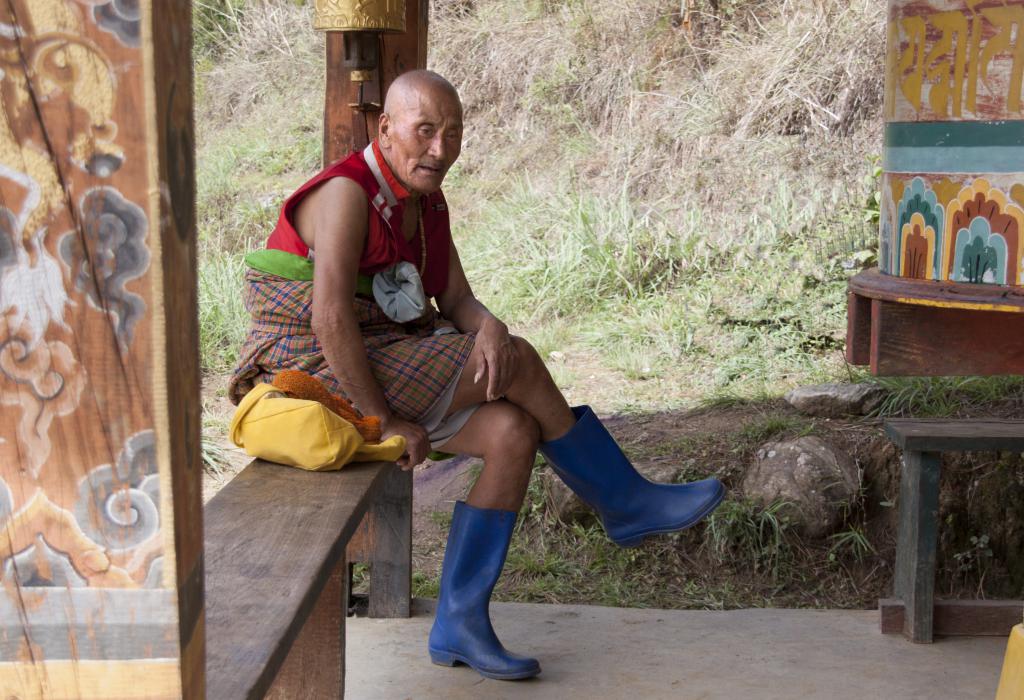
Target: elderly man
{"type": "Point", "coordinates": [452, 377]}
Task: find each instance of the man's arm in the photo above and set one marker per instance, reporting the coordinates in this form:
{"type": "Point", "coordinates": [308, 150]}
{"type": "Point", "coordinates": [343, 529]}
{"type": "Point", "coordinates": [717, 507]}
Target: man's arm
{"type": "Point", "coordinates": [336, 213]}
{"type": "Point", "coordinates": [458, 304]}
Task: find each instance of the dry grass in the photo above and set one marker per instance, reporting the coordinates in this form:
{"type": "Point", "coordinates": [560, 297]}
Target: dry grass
{"type": "Point", "coordinates": [621, 92]}
{"type": "Point", "coordinates": [255, 53]}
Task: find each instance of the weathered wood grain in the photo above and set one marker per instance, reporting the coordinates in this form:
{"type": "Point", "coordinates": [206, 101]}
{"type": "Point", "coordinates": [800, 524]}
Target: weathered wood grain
{"type": "Point", "coordinates": [315, 665]}
{"type": "Point", "coordinates": [981, 618]}
{"type": "Point", "coordinates": [391, 560]}
{"type": "Point", "coordinates": [858, 329]}
{"type": "Point", "coordinates": [872, 284]}
{"type": "Point", "coordinates": [926, 341]}
{"type": "Point", "coordinates": [176, 343]}
{"type": "Point", "coordinates": [274, 536]}
{"type": "Point", "coordinates": [100, 516]}
{"type": "Point", "coordinates": [914, 579]}
{"type": "Point", "coordinates": [955, 435]}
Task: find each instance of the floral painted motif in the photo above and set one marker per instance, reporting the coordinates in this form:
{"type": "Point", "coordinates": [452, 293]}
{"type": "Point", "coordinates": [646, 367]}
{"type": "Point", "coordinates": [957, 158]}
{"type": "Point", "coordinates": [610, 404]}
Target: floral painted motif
{"type": "Point", "coordinates": [1004, 219]}
{"type": "Point", "coordinates": [980, 255]}
{"type": "Point", "coordinates": [919, 226]}
{"type": "Point", "coordinates": [962, 229]}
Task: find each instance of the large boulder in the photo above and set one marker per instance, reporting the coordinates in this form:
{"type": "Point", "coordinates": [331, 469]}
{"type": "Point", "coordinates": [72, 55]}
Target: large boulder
{"type": "Point", "coordinates": [817, 482]}
{"type": "Point", "coordinates": [835, 400]}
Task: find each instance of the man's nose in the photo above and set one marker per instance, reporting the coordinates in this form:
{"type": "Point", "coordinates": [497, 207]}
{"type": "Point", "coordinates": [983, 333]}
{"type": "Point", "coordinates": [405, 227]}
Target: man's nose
{"type": "Point", "coordinates": [438, 147]}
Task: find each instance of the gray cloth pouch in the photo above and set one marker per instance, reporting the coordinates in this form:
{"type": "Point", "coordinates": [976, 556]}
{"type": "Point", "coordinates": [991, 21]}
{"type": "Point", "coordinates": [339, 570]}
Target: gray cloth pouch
{"type": "Point", "coordinates": [399, 293]}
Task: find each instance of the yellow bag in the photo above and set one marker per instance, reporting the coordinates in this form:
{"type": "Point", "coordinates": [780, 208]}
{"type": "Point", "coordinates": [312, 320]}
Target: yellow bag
{"type": "Point", "coordinates": [304, 434]}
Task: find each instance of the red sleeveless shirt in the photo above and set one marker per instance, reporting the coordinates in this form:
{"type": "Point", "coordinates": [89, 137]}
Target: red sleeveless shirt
{"type": "Point", "coordinates": [385, 244]}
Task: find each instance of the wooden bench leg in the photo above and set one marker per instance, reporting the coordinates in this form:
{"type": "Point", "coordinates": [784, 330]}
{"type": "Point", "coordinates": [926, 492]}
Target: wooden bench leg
{"type": "Point", "coordinates": [915, 547]}
{"type": "Point", "coordinates": [315, 665]}
{"type": "Point", "coordinates": [391, 559]}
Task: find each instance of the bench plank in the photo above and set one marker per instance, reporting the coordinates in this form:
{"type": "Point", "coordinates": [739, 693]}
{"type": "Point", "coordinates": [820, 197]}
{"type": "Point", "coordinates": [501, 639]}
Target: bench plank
{"type": "Point", "coordinates": [992, 618]}
{"type": "Point", "coordinates": [274, 535]}
{"type": "Point", "coordinates": [955, 435]}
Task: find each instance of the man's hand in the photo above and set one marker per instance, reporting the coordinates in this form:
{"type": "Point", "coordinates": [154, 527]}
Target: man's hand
{"type": "Point", "coordinates": [499, 358]}
{"type": "Point", "coordinates": [417, 444]}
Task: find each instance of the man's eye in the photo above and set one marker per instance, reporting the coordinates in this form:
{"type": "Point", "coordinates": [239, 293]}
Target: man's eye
{"type": "Point", "coordinates": [426, 131]}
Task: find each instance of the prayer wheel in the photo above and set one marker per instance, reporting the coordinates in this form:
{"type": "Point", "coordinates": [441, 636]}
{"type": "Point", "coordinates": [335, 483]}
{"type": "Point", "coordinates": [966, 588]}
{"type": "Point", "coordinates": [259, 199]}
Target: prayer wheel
{"type": "Point", "coordinates": [947, 297]}
{"type": "Point", "coordinates": [359, 15]}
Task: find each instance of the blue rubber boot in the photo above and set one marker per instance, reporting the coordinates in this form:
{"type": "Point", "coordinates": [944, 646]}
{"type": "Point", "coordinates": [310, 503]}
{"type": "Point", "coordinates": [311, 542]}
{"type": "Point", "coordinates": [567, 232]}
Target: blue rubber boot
{"type": "Point", "coordinates": [591, 463]}
{"type": "Point", "coordinates": [462, 631]}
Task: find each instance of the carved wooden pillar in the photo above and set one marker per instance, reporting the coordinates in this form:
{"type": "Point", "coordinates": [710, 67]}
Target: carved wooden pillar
{"type": "Point", "coordinates": [101, 539]}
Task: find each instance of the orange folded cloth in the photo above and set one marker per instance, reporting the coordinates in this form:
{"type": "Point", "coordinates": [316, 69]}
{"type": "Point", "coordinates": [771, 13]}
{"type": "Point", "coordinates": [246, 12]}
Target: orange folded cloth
{"type": "Point", "coordinates": [300, 385]}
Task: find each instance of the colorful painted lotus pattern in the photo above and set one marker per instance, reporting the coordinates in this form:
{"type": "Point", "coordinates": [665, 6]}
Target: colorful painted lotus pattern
{"type": "Point", "coordinates": [955, 228]}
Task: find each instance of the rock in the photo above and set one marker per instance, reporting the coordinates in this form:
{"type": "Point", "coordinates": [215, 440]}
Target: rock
{"type": "Point", "coordinates": [562, 502]}
{"type": "Point", "coordinates": [835, 400]}
{"type": "Point", "coordinates": [818, 482]}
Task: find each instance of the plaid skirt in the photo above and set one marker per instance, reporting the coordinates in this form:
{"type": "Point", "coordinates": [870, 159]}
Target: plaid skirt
{"type": "Point", "coordinates": [412, 365]}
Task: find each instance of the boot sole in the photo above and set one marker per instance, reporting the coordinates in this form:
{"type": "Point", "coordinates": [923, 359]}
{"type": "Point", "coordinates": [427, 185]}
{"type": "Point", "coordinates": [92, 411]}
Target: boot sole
{"type": "Point", "coordinates": [444, 658]}
{"type": "Point", "coordinates": [637, 540]}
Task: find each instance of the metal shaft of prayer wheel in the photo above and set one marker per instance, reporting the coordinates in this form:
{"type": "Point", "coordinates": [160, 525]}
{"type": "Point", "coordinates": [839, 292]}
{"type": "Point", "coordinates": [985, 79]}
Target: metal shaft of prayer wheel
{"type": "Point", "coordinates": [355, 30]}
{"type": "Point", "coordinates": [948, 295]}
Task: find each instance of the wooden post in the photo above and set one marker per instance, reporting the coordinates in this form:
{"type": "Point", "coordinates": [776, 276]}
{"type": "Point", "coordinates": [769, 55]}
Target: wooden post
{"type": "Point", "coordinates": [914, 579]}
{"type": "Point", "coordinates": [346, 130]}
{"type": "Point", "coordinates": [390, 573]}
{"type": "Point", "coordinates": [315, 665]}
{"type": "Point", "coordinates": [101, 544]}
{"type": "Point", "coordinates": [344, 133]}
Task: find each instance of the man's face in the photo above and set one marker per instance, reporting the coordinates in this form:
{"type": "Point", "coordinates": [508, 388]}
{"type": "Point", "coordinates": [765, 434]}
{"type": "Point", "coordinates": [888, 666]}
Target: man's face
{"type": "Point", "coordinates": [422, 137]}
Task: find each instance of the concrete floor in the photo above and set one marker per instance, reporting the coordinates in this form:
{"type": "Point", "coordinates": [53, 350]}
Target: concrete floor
{"type": "Point", "coordinates": [592, 652]}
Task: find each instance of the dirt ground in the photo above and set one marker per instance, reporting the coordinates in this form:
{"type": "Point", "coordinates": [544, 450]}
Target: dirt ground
{"type": "Point", "coordinates": [982, 498]}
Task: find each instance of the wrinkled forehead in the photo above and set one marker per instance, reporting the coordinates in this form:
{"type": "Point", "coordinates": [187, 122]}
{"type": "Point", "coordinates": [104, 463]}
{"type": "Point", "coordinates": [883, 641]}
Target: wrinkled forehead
{"type": "Point", "coordinates": [426, 102]}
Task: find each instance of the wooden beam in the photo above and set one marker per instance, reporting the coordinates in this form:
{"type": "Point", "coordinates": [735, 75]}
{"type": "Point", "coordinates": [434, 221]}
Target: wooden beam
{"type": "Point", "coordinates": [928, 341]}
{"type": "Point", "coordinates": [955, 435]}
{"type": "Point", "coordinates": [99, 423]}
{"type": "Point", "coordinates": [982, 618]}
{"type": "Point", "coordinates": [928, 328]}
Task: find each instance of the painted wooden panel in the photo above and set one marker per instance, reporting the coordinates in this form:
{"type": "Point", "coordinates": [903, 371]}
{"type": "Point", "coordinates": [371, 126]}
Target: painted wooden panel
{"type": "Point", "coordinates": [97, 281]}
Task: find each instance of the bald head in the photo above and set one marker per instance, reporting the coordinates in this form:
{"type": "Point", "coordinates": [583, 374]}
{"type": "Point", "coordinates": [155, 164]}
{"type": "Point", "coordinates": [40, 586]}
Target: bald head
{"type": "Point", "coordinates": [420, 130]}
{"type": "Point", "coordinates": [410, 87]}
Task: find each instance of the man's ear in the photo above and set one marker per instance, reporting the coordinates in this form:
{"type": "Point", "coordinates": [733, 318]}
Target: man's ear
{"type": "Point", "coordinates": [384, 130]}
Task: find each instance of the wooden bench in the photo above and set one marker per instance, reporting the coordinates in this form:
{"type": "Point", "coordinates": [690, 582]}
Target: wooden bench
{"type": "Point", "coordinates": [913, 609]}
{"type": "Point", "coordinates": [277, 578]}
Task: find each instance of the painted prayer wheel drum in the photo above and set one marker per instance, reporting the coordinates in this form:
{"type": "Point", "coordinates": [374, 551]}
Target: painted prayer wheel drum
{"type": "Point", "coordinates": [948, 295]}
{"type": "Point", "coordinates": [359, 15]}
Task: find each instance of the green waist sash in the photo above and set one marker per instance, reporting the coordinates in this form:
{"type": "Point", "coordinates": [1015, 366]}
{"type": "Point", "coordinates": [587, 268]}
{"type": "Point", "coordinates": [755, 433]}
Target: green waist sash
{"type": "Point", "coordinates": [295, 267]}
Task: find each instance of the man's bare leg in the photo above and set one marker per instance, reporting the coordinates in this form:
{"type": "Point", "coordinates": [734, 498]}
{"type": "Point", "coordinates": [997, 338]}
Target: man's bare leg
{"type": "Point", "coordinates": [532, 389]}
{"type": "Point", "coordinates": [506, 437]}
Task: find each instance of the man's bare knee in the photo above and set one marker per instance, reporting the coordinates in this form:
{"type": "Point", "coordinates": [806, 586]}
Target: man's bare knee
{"type": "Point", "coordinates": [531, 366]}
{"type": "Point", "coordinates": [514, 430]}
